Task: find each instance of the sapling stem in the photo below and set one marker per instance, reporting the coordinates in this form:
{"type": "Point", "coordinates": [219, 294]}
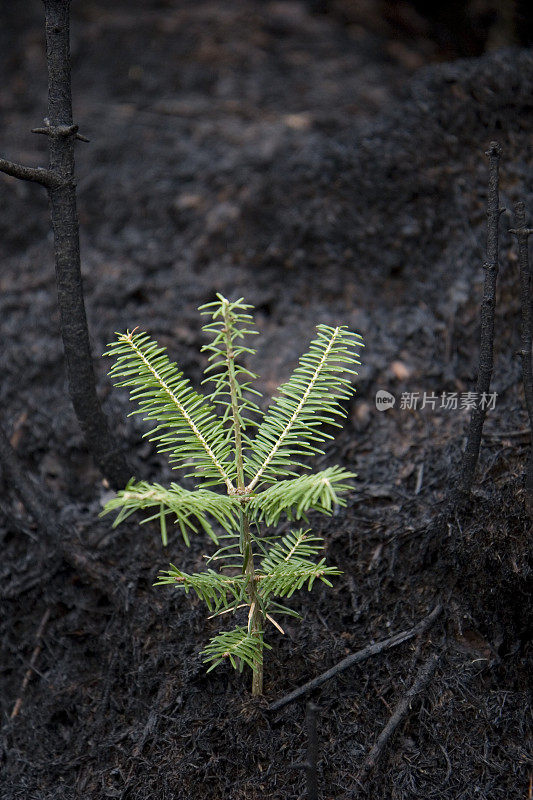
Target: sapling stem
{"type": "Point", "coordinates": [522, 234]}
{"type": "Point", "coordinates": [255, 618]}
{"type": "Point", "coordinates": [230, 366]}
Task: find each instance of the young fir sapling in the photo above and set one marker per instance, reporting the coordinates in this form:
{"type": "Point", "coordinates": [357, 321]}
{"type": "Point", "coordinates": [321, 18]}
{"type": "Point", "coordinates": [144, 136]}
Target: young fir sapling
{"type": "Point", "coordinates": [224, 440]}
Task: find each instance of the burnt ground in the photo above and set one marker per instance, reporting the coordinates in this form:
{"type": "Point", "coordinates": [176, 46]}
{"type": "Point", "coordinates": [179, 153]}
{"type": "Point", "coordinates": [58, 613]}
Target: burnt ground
{"type": "Point", "coordinates": [330, 168]}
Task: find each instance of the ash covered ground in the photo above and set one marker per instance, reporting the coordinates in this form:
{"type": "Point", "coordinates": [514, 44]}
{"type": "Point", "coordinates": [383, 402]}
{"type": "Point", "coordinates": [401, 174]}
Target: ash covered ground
{"type": "Point", "coordinates": [328, 168]}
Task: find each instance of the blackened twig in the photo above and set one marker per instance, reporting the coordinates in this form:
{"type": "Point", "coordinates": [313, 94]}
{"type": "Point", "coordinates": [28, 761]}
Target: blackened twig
{"type": "Point", "coordinates": [356, 658]}
{"type": "Point", "coordinates": [424, 676]}
{"type": "Point", "coordinates": [488, 304]}
{"type": "Point", "coordinates": [59, 180]}
{"type": "Point", "coordinates": [510, 434]}
{"type": "Point", "coordinates": [312, 751]}
{"type": "Point", "coordinates": [33, 661]}
{"type": "Point", "coordinates": [526, 300]}
{"type": "Point", "coordinates": [37, 174]}
{"type": "Point", "coordinates": [60, 130]}
{"type": "Point", "coordinates": [153, 719]}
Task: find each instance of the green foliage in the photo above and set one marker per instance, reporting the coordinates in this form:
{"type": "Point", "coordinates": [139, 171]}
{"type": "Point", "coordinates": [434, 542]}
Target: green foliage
{"type": "Point", "coordinates": [216, 590]}
{"type": "Point", "coordinates": [224, 375]}
{"type": "Point", "coordinates": [238, 645]}
{"type": "Point", "coordinates": [189, 509]}
{"type": "Point", "coordinates": [224, 440]}
{"type": "Point", "coordinates": [293, 498]}
{"type": "Point", "coordinates": [288, 565]}
{"type": "Point", "coordinates": [291, 428]}
{"type": "Point", "coordinates": [188, 427]}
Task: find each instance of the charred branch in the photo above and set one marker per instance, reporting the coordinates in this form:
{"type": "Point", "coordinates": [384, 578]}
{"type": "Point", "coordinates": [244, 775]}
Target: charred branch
{"type": "Point", "coordinates": [488, 305]}
{"type": "Point", "coordinates": [74, 329]}
{"type": "Point", "coordinates": [36, 174]}
{"type": "Point", "coordinates": [422, 680]}
{"type": "Point", "coordinates": [31, 495]}
{"type": "Point", "coordinates": [357, 658]}
{"type": "Point", "coordinates": [59, 180]}
{"type": "Point", "coordinates": [33, 661]}
{"type": "Point", "coordinates": [60, 131]}
{"type": "Point", "coordinates": [526, 301]}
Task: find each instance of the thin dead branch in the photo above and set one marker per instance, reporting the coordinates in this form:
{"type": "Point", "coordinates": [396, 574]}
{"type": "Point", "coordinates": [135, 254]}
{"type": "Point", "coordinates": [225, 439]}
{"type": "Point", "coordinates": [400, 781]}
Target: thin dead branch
{"type": "Point", "coordinates": [31, 495]}
{"type": "Point", "coordinates": [488, 304]}
{"type": "Point", "coordinates": [310, 765]}
{"type": "Point", "coordinates": [33, 660]}
{"type": "Point", "coordinates": [36, 174]}
{"type": "Point", "coordinates": [357, 658]}
{"type": "Point", "coordinates": [526, 301]}
{"type": "Point", "coordinates": [423, 678]}
{"type": "Point", "coordinates": [60, 130]}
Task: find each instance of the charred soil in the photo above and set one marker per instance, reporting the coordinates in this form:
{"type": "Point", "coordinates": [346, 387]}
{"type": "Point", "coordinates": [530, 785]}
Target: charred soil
{"type": "Point", "coordinates": [328, 172]}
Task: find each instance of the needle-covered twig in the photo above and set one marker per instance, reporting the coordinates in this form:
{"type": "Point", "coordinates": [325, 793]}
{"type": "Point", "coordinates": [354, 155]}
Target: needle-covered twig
{"type": "Point", "coordinates": [225, 440]}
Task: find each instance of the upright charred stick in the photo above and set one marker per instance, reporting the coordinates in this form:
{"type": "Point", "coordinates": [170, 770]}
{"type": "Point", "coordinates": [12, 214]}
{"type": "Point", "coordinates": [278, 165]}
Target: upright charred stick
{"type": "Point", "coordinates": [59, 180]}
{"type": "Point", "coordinates": [486, 357]}
{"type": "Point", "coordinates": [526, 300]}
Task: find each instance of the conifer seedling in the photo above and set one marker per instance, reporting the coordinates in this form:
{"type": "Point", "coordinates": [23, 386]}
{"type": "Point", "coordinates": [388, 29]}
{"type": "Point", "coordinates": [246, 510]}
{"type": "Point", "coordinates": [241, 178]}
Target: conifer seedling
{"type": "Point", "coordinates": [248, 465]}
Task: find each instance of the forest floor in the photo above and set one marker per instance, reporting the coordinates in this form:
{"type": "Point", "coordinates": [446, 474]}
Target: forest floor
{"type": "Point", "coordinates": [329, 171]}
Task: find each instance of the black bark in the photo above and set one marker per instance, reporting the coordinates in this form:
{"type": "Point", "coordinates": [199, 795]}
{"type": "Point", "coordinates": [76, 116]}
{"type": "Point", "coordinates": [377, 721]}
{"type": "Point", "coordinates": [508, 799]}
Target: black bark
{"type": "Point", "coordinates": [59, 180]}
{"type": "Point", "coordinates": [74, 329]}
{"type": "Point", "coordinates": [423, 678]}
{"type": "Point", "coordinates": [36, 174]}
{"type": "Point", "coordinates": [526, 300]}
{"type": "Point", "coordinates": [488, 305]}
